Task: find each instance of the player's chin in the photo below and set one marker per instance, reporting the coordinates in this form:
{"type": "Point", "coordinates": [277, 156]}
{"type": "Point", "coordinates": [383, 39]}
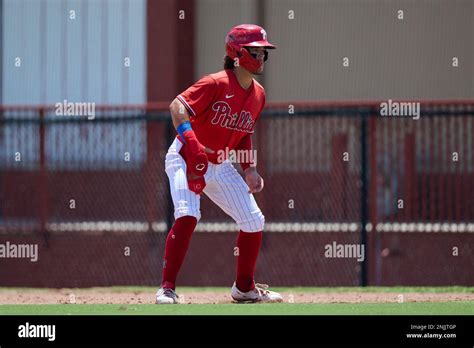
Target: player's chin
{"type": "Point", "coordinates": [259, 71]}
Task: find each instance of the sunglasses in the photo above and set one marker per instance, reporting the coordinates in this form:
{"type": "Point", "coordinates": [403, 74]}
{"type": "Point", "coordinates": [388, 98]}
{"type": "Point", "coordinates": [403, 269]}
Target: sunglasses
{"type": "Point", "coordinates": [258, 55]}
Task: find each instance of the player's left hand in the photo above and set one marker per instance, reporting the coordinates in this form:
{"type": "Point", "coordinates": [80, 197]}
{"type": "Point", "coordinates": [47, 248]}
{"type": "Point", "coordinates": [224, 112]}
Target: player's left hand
{"type": "Point", "coordinates": [253, 180]}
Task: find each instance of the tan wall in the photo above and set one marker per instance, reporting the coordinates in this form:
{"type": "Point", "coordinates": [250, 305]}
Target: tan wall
{"type": "Point", "coordinates": [388, 57]}
{"type": "Point", "coordinates": [214, 20]}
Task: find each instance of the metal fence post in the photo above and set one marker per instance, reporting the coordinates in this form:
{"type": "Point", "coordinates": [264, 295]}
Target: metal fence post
{"type": "Point", "coordinates": [363, 196]}
{"type": "Point", "coordinates": [43, 179]}
{"type": "Point", "coordinates": [170, 134]}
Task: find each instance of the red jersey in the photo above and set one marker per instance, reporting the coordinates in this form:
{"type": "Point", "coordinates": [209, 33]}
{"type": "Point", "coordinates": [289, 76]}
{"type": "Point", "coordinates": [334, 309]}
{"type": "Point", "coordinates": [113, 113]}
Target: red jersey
{"type": "Point", "coordinates": [222, 113]}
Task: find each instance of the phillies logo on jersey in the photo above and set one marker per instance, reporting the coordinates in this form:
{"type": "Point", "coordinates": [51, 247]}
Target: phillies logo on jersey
{"type": "Point", "coordinates": [224, 117]}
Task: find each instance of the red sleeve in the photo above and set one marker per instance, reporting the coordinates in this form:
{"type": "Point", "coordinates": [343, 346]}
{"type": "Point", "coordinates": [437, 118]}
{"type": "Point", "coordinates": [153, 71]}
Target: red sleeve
{"type": "Point", "coordinates": [198, 97]}
{"type": "Point", "coordinates": [246, 144]}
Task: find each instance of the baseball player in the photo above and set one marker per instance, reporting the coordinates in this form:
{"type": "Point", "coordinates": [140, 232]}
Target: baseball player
{"type": "Point", "coordinates": [213, 117]}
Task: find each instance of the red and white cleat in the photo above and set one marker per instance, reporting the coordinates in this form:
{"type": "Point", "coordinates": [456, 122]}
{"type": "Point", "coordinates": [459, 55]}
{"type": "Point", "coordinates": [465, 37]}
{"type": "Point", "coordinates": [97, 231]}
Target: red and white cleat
{"type": "Point", "coordinates": [166, 296]}
{"type": "Point", "coordinates": [258, 294]}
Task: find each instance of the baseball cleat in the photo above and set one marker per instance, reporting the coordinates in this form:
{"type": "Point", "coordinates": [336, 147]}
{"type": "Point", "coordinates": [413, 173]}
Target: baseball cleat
{"type": "Point", "coordinates": [166, 296]}
{"type": "Point", "coordinates": [258, 294]}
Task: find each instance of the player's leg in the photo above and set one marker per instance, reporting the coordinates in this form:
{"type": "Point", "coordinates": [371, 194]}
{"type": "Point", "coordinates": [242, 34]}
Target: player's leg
{"type": "Point", "coordinates": [186, 213]}
{"type": "Point", "coordinates": [230, 192]}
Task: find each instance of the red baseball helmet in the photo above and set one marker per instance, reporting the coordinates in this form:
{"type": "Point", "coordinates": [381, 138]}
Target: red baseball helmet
{"type": "Point", "coordinates": [246, 35]}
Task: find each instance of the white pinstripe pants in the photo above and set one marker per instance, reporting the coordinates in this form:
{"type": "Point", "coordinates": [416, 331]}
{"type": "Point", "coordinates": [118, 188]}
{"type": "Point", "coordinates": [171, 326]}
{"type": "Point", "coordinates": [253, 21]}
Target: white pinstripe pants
{"type": "Point", "coordinates": [224, 186]}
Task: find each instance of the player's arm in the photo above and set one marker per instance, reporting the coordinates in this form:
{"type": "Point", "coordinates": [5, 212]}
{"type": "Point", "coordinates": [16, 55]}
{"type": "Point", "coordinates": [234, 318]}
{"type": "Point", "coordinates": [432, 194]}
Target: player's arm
{"type": "Point", "coordinates": [252, 178]}
{"type": "Point", "coordinates": [181, 121]}
{"type": "Point", "coordinates": [179, 114]}
{"type": "Point", "coordinates": [188, 105]}
{"type": "Point", "coordinates": [197, 156]}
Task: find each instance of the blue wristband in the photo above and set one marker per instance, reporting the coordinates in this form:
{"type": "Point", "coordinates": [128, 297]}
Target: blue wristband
{"type": "Point", "coordinates": [183, 127]}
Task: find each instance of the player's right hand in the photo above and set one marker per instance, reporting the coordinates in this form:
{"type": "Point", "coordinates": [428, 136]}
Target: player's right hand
{"type": "Point", "coordinates": [196, 183]}
{"type": "Point", "coordinates": [196, 156]}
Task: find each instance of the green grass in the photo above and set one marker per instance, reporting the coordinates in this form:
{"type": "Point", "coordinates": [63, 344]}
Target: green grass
{"type": "Point", "coordinates": [415, 308]}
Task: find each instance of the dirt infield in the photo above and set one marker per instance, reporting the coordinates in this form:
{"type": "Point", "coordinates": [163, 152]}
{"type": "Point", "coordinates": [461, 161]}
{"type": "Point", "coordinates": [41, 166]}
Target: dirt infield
{"type": "Point", "coordinates": [102, 296]}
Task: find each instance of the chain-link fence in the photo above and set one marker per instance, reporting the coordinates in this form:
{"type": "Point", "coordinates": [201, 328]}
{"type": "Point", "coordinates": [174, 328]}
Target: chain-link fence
{"type": "Point", "coordinates": [335, 174]}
